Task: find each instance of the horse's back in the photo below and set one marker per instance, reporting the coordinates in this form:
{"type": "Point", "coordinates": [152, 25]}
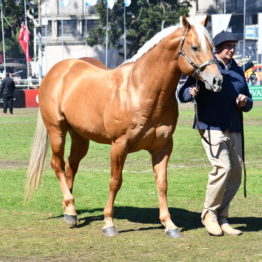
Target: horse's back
{"type": "Point", "coordinates": [94, 62]}
{"type": "Point", "coordinates": [67, 73]}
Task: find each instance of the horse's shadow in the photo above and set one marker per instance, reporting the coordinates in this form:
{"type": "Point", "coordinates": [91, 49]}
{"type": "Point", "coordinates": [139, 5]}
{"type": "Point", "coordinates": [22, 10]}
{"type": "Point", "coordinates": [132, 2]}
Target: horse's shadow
{"type": "Point", "coordinates": [184, 219]}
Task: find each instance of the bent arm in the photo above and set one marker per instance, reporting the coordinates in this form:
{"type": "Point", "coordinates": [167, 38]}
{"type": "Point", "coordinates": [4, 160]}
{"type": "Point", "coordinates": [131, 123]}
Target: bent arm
{"type": "Point", "coordinates": [183, 93]}
{"type": "Point", "coordinates": [249, 103]}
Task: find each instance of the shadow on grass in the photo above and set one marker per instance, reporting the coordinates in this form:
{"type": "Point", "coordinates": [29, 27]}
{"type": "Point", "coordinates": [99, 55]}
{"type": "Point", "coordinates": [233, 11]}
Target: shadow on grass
{"type": "Point", "coordinates": [251, 223]}
{"type": "Point", "coordinates": [184, 219]}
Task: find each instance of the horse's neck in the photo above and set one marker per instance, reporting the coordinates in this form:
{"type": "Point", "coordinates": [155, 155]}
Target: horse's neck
{"type": "Point", "coordinates": [157, 73]}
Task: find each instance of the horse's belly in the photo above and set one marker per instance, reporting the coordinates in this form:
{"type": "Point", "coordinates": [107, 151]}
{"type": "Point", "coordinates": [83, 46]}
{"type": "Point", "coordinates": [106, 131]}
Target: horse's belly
{"type": "Point", "coordinates": [91, 130]}
{"type": "Point", "coordinates": [151, 138]}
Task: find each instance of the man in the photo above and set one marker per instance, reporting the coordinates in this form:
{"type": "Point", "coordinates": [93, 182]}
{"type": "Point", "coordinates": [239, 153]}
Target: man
{"type": "Point", "coordinates": [7, 91]}
{"type": "Point", "coordinates": [253, 78]}
{"type": "Point", "coordinates": [220, 121]}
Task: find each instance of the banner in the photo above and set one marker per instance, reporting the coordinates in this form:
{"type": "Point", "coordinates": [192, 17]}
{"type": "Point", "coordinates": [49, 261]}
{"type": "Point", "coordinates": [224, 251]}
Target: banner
{"type": "Point", "coordinates": [127, 3]}
{"type": "Point", "coordinates": [64, 3]}
{"type": "Point", "coordinates": [259, 42]}
{"type": "Point", "coordinates": [23, 39]}
{"type": "Point", "coordinates": [90, 2]}
{"type": "Point", "coordinates": [110, 4]}
{"type": "Point", "coordinates": [31, 98]}
{"type": "Point", "coordinates": [220, 23]}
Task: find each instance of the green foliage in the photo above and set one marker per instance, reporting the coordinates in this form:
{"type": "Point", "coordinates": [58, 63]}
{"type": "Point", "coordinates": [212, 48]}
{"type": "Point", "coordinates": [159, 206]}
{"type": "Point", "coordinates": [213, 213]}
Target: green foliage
{"type": "Point", "coordinates": [13, 13]}
{"type": "Point", "coordinates": [144, 18]}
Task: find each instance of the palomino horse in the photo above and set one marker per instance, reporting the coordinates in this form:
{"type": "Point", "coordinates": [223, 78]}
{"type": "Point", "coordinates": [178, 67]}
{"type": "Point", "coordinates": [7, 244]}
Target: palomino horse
{"type": "Point", "coordinates": [131, 107]}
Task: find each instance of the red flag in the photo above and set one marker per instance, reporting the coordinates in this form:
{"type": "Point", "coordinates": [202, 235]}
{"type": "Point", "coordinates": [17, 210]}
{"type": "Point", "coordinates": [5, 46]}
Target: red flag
{"type": "Point", "coordinates": [1, 58]}
{"type": "Point", "coordinates": [23, 39]}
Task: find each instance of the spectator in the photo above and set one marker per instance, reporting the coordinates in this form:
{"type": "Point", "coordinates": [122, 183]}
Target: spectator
{"type": "Point", "coordinates": [253, 78]}
{"type": "Point", "coordinates": [7, 92]}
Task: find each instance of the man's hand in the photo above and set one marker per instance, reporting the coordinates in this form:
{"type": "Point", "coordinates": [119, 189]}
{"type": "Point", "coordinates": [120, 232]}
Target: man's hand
{"type": "Point", "coordinates": [193, 91]}
{"type": "Point", "coordinates": [241, 100]}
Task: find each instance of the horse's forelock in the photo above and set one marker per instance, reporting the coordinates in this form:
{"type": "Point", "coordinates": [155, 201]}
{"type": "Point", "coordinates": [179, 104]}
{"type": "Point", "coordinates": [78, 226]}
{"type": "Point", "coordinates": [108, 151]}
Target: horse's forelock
{"type": "Point", "coordinates": [203, 36]}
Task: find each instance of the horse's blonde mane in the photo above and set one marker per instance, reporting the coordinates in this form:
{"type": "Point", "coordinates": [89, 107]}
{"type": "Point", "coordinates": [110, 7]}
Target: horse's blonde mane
{"type": "Point", "coordinates": [200, 29]}
{"type": "Point", "coordinates": [151, 43]}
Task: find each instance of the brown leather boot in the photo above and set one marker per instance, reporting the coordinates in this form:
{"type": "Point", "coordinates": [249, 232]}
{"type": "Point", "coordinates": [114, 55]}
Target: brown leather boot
{"type": "Point", "coordinates": [211, 224]}
{"type": "Point", "coordinates": [226, 228]}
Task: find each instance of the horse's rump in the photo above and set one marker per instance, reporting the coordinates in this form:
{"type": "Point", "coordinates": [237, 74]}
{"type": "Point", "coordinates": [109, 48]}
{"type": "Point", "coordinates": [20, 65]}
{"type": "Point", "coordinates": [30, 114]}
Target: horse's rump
{"type": "Point", "coordinates": [89, 97]}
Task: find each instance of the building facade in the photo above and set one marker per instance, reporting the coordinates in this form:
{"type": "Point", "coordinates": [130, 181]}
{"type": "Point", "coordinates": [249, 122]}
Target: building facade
{"type": "Point", "coordinates": [64, 29]}
{"type": "Point", "coordinates": [65, 25]}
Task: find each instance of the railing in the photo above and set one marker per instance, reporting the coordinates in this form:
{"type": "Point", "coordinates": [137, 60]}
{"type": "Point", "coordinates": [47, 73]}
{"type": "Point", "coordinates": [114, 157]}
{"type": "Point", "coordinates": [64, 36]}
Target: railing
{"type": "Point", "coordinates": [30, 86]}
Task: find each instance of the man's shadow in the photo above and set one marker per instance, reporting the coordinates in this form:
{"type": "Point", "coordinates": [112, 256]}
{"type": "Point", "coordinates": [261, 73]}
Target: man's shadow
{"type": "Point", "coordinates": [184, 219]}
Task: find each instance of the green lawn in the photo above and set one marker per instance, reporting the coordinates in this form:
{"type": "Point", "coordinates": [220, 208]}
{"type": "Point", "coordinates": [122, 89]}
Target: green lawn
{"type": "Point", "coordinates": [36, 231]}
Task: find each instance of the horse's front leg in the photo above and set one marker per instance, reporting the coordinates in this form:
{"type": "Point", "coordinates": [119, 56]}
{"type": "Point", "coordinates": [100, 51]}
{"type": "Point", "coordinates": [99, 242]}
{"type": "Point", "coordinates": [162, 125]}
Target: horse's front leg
{"type": "Point", "coordinates": [160, 159]}
{"type": "Point", "coordinates": [118, 156]}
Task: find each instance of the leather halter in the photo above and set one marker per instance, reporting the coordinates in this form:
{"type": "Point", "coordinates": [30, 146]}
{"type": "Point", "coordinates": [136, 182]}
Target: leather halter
{"type": "Point", "coordinates": [197, 68]}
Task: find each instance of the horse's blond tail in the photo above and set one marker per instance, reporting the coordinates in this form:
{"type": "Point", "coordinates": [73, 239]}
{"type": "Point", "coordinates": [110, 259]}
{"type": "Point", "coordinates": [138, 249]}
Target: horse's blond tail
{"type": "Point", "coordinates": [37, 159]}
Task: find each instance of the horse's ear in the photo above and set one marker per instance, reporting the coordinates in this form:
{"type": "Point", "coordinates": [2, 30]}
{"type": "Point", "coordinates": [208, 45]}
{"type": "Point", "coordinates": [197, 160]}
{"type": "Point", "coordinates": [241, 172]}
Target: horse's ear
{"type": "Point", "coordinates": [204, 21]}
{"type": "Point", "coordinates": [185, 23]}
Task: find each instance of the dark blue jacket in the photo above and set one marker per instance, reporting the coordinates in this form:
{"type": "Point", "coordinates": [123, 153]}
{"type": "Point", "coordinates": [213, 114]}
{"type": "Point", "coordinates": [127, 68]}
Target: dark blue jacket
{"type": "Point", "coordinates": [8, 87]}
{"type": "Point", "coordinates": [218, 111]}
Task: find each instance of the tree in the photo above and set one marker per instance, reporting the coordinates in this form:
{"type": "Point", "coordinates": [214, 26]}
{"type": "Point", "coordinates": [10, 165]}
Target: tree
{"type": "Point", "coordinates": [144, 18]}
{"type": "Point", "coordinates": [13, 16]}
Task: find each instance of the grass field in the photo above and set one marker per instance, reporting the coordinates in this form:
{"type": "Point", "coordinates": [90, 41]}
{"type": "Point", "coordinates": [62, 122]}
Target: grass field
{"type": "Point", "coordinates": [36, 231]}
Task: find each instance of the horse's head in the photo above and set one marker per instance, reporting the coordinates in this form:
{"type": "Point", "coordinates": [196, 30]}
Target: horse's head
{"type": "Point", "coordinates": [195, 56]}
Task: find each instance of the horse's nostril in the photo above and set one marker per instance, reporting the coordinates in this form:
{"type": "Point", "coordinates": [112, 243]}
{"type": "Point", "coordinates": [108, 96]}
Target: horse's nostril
{"type": "Point", "coordinates": [217, 81]}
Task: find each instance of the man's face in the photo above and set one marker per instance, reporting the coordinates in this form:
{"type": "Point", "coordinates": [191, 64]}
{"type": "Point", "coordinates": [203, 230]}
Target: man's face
{"type": "Point", "coordinates": [226, 50]}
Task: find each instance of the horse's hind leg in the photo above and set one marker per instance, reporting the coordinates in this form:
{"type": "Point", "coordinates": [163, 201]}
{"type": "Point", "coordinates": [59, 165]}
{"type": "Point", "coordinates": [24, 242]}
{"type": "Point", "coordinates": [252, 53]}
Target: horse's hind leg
{"type": "Point", "coordinates": [79, 148]}
{"type": "Point", "coordinates": [117, 156]}
{"type": "Point", "coordinates": [57, 141]}
{"type": "Point", "coordinates": [159, 160]}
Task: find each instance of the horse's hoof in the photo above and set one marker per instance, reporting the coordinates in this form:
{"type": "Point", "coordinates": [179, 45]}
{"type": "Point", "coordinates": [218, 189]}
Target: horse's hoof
{"type": "Point", "coordinates": [71, 220]}
{"type": "Point", "coordinates": [174, 233]}
{"type": "Point", "coordinates": [110, 231]}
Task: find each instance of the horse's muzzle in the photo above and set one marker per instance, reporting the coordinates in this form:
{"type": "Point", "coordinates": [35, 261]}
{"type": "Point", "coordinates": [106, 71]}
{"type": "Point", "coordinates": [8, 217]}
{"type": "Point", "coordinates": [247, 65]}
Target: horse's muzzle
{"type": "Point", "coordinates": [217, 84]}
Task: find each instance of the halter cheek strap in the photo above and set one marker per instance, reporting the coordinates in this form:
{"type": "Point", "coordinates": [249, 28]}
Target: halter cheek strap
{"type": "Point", "coordinates": [197, 68]}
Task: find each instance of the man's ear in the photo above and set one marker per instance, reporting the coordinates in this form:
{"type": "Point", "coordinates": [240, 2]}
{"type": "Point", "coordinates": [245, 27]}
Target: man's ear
{"type": "Point", "coordinates": [185, 23]}
{"type": "Point", "coordinates": [204, 21]}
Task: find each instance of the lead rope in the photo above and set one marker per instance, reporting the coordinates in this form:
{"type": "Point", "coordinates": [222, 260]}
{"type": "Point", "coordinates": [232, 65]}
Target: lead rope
{"type": "Point", "coordinates": [197, 122]}
{"type": "Point", "coordinates": [243, 152]}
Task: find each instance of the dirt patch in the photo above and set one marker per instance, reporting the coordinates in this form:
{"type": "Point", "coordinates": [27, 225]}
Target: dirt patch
{"type": "Point", "coordinates": [13, 164]}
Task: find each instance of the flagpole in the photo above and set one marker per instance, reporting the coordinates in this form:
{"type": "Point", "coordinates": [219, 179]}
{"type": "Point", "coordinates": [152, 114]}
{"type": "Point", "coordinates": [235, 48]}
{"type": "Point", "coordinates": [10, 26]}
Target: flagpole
{"type": "Point", "coordinates": [62, 29]}
{"type": "Point", "coordinates": [27, 46]}
{"type": "Point", "coordinates": [43, 73]}
{"type": "Point", "coordinates": [106, 33]}
{"type": "Point", "coordinates": [124, 31]}
{"type": "Point", "coordinates": [85, 33]}
{"type": "Point", "coordinates": [3, 37]}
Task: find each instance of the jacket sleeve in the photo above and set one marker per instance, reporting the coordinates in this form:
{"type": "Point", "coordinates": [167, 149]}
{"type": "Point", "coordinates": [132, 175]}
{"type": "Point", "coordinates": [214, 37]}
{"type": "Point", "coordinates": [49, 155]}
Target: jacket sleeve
{"type": "Point", "coordinates": [249, 104]}
{"type": "Point", "coordinates": [183, 93]}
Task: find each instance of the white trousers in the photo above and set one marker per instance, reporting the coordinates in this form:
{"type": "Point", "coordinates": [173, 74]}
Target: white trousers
{"type": "Point", "coordinates": [225, 178]}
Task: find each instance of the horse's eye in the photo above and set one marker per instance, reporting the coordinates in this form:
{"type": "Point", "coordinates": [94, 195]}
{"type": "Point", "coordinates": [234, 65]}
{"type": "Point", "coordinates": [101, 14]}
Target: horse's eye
{"type": "Point", "coordinates": [195, 48]}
